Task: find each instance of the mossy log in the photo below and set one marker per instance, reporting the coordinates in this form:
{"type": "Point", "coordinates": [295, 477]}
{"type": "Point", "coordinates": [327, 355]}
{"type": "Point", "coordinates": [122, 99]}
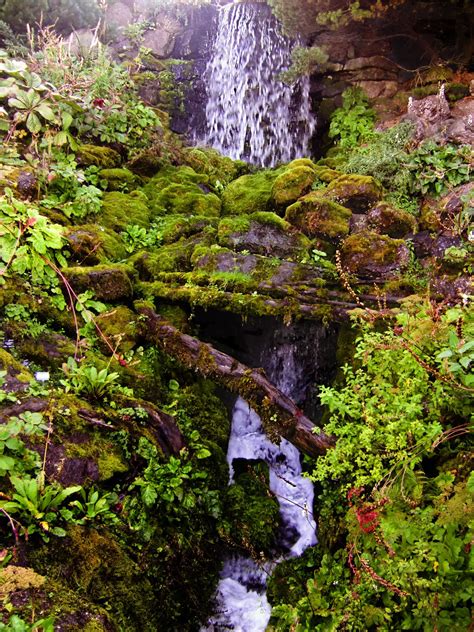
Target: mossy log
{"type": "Point", "coordinates": [279, 414]}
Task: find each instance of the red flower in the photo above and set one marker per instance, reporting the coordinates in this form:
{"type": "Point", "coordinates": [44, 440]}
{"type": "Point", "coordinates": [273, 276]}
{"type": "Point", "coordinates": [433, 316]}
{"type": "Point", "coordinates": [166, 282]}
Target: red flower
{"type": "Point", "coordinates": [98, 103]}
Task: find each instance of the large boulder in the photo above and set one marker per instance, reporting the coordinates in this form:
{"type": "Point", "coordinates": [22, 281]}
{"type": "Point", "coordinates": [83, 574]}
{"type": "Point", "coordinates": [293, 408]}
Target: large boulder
{"type": "Point", "coordinates": [293, 183]}
{"type": "Point", "coordinates": [372, 256]}
{"type": "Point", "coordinates": [358, 193]}
{"type": "Point", "coordinates": [387, 220]}
{"type": "Point", "coordinates": [264, 234]}
{"type": "Point", "coordinates": [249, 194]}
{"type": "Point", "coordinates": [109, 282]}
{"type": "Point", "coordinates": [318, 216]}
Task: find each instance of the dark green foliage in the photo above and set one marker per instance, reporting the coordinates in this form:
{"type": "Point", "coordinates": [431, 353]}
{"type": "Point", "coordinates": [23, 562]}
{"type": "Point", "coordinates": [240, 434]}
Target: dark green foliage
{"type": "Point", "coordinates": [66, 15]}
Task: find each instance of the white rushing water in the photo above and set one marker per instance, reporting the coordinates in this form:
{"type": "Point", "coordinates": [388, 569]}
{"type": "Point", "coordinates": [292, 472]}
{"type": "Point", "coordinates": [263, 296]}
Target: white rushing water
{"type": "Point", "coordinates": [252, 115]}
{"type": "Point", "coordinates": [242, 605]}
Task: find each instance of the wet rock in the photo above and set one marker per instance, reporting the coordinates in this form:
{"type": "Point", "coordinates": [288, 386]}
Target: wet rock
{"type": "Point", "coordinates": [425, 244]}
{"type": "Point", "coordinates": [263, 234]}
{"type": "Point", "coordinates": [161, 39]}
{"type": "Point", "coordinates": [372, 256]}
{"type": "Point", "coordinates": [355, 192]}
{"type": "Point", "coordinates": [27, 184]}
{"type": "Point", "coordinates": [429, 115]}
{"type": "Point", "coordinates": [387, 220]}
{"type": "Point", "coordinates": [318, 216]}
{"type": "Point", "coordinates": [109, 282]}
{"type": "Point", "coordinates": [450, 212]}
{"type": "Point", "coordinates": [358, 223]}
{"type": "Point", "coordinates": [461, 128]}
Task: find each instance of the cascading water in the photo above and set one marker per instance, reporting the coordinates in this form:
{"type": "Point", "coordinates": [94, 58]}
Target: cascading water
{"type": "Point", "coordinates": [241, 601]}
{"type": "Point", "coordinates": [251, 114]}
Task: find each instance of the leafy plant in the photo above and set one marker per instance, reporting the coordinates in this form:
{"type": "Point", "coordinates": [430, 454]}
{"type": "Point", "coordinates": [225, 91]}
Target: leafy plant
{"type": "Point", "coordinates": [90, 507]}
{"type": "Point", "coordinates": [87, 380]}
{"type": "Point", "coordinates": [38, 505]}
{"type": "Point", "coordinates": [354, 121]}
{"type": "Point", "coordinates": [17, 624]}
{"type": "Point", "coordinates": [15, 457]}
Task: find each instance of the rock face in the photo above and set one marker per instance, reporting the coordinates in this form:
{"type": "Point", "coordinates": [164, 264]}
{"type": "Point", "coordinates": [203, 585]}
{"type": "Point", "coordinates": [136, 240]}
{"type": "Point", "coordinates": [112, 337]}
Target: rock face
{"type": "Point", "coordinates": [372, 256]}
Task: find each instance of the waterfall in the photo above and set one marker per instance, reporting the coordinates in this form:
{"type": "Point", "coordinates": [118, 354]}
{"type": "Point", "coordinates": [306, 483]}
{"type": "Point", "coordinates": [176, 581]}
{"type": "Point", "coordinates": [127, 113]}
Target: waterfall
{"type": "Point", "coordinates": [251, 114]}
{"type": "Point", "coordinates": [242, 605]}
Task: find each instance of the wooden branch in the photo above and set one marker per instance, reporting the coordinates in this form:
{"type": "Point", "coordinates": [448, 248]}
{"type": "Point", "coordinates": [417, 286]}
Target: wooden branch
{"type": "Point", "coordinates": [280, 415]}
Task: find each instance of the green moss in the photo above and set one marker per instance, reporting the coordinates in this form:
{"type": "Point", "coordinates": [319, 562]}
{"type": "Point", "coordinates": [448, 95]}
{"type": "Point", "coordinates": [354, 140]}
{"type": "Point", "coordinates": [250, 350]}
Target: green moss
{"type": "Point", "coordinates": [358, 193]}
{"type": "Point", "coordinates": [106, 454]}
{"type": "Point", "coordinates": [103, 157]}
{"type": "Point", "coordinates": [13, 367]}
{"type": "Point", "coordinates": [300, 162]}
{"type": "Point", "coordinates": [174, 227]}
{"type": "Point", "coordinates": [109, 282]}
{"type": "Point", "coordinates": [293, 183]}
{"type": "Point", "coordinates": [372, 255]}
{"type": "Point", "coordinates": [94, 566]}
{"type": "Point", "coordinates": [185, 199]}
{"type": "Point", "coordinates": [391, 221]}
{"type": "Point", "coordinates": [121, 209]}
{"type": "Point", "coordinates": [326, 174]}
{"type": "Point", "coordinates": [317, 216]}
{"type": "Point", "coordinates": [91, 244]}
{"type": "Point", "coordinates": [220, 169]}
{"type": "Point", "coordinates": [119, 179]}
{"type": "Point", "coordinates": [254, 514]}
{"type": "Point", "coordinates": [174, 315]}
{"type": "Point", "coordinates": [120, 327]}
{"type": "Point", "coordinates": [249, 194]}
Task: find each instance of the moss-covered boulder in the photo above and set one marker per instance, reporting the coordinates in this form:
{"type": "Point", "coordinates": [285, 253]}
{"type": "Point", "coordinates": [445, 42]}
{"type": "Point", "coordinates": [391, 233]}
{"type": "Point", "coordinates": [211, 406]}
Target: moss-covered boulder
{"type": "Point", "coordinates": [293, 183]}
{"type": "Point", "coordinates": [249, 194]}
{"type": "Point", "coordinates": [173, 257]}
{"type": "Point", "coordinates": [91, 244]}
{"type": "Point", "coordinates": [387, 220]}
{"type": "Point", "coordinates": [358, 193]}
{"type": "Point", "coordinates": [122, 209]}
{"type": "Point", "coordinates": [109, 282]}
{"type": "Point", "coordinates": [175, 227]}
{"type": "Point", "coordinates": [185, 199]}
{"type": "Point", "coordinates": [17, 377]}
{"type": "Point", "coordinates": [264, 234]}
{"type": "Point", "coordinates": [318, 216]}
{"type": "Point", "coordinates": [119, 179]}
{"type": "Point", "coordinates": [326, 174]}
{"type": "Point", "coordinates": [371, 256]}
{"type": "Point", "coordinates": [49, 349]}
{"type": "Point", "coordinates": [103, 157]}
{"type": "Point", "coordinates": [220, 169]}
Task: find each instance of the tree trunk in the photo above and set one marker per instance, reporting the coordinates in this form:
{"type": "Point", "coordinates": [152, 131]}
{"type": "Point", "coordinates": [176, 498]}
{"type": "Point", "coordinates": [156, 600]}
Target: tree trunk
{"type": "Point", "coordinates": [279, 414]}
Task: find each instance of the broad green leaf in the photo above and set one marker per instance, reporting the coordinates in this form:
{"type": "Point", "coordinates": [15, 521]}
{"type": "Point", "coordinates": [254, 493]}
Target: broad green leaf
{"type": "Point", "coordinates": [46, 112]}
{"type": "Point", "coordinates": [33, 123]}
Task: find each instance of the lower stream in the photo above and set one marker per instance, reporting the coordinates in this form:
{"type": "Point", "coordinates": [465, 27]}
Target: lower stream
{"type": "Point", "coordinates": [241, 602]}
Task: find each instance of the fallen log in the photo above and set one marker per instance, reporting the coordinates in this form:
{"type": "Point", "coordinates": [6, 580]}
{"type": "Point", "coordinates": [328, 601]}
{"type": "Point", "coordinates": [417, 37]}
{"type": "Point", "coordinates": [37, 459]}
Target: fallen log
{"type": "Point", "coordinates": [279, 414]}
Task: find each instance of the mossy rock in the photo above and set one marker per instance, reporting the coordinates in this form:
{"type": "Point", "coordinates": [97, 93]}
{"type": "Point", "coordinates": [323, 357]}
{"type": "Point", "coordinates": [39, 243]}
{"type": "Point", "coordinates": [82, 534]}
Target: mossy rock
{"type": "Point", "coordinates": [90, 244]}
{"type": "Point", "coordinates": [326, 174]}
{"type": "Point", "coordinates": [109, 282]}
{"type": "Point", "coordinates": [293, 183]}
{"type": "Point", "coordinates": [185, 199]}
{"type": "Point", "coordinates": [95, 155]}
{"type": "Point", "coordinates": [318, 216]}
{"type": "Point", "coordinates": [119, 325]}
{"type": "Point", "coordinates": [209, 161]}
{"type": "Point", "coordinates": [301, 162]}
{"type": "Point", "coordinates": [119, 179]}
{"type": "Point", "coordinates": [122, 209]}
{"type": "Point", "coordinates": [264, 234]}
{"type": "Point", "coordinates": [249, 194]}
{"type": "Point", "coordinates": [371, 256]}
{"type": "Point", "coordinates": [31, 596]}
{"type": "Point", "coordinates": [387, 220]}
{"type": "Point", "coordinates": [358, 193]}
{"type": "Point", "coordinates": [50, 349]}
{"type": "Point", "coordinates": [254, 514]}
{"type": "Point", "coordinates": [170, 174]}
{"type": "Point", "coordinates": [17, 377]}
{"type": "Point", "coordinates": [94, 566]}
{"type": "Point", "coordinates": [175, 227]}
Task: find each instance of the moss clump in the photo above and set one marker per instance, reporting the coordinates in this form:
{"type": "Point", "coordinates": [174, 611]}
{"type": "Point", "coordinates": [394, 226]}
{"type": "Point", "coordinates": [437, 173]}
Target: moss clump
{"type": "Point", "coordinates": [109, 282]}
{"type": "Point", "coordinates": [14, 368]}
{"type": "Point", "coordinates": [102, 157]}
{"type": "Point", "coordinates": [120, 327]}
{"type": "Point", "coordinates": [358, 193]}
{"type": "Point", "coordinates": [174, 175]}
{"type": "Point", "coordinates": [91, 244]}
{"type": "Point", "coordinates": [249, 194]}
{"type": "Point", "coordinates": [174, 227]}
{"type": "Point", "coordinates": [326, 174]}
{"type": "Point", "coordinates": [219, 168]}
{"type": "Point", "coordinates": [318, 216]}
{"type": "Point", "coordinates": [386, 220]}
{"type": "Point", "coordinates": [371, 255]}
{"type": "Point", "coordinates": [93, 565]}
{"type": "Point", "coordinates": [301, 162]}
{"type": "Point", "coordinates": [254, 514]}
{"type": "Point", "coordinates": [121, 209]}
{"type": "Point", "coordinates": [170, 258]}
{"type": "Point", "coordinates": [292, 184]}
{"type": "Point", "coordinates": [185, 199]}
{"type": "Point", "coordinates": [119, 179]}
{"type": "Point", "coordinates": [105, 454]}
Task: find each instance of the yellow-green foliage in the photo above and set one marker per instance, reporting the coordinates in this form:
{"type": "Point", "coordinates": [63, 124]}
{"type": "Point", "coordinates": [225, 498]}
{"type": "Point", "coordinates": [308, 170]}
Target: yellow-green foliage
{"type": "Point", "coordinates": [316, 215]}
{"type": "Point", "coordinates": [121, 209]}
{"type": "Point", "coordinates": [103, 157]}
{"type": "Point", "coordinates": [249, 194]}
